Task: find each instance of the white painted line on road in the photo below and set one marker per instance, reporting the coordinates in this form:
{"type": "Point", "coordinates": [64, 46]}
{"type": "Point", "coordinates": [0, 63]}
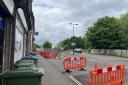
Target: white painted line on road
{"type": "Point", "coordinates": [75, 80]}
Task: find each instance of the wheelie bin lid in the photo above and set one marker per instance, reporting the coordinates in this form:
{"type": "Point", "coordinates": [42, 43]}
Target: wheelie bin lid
{"type": "Point", "coordinates": [22, 73]}
{"type": "Point", "coordinates": [33, 53]}
{"type": "Point", "coordinates": [30, 57]}
{"type": "Point", "coordinates": [24, 63]}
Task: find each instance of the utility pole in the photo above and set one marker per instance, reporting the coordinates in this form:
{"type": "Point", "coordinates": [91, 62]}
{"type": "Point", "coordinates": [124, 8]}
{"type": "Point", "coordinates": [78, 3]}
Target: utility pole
{"type": "Point", "coordinates": [73, 43]}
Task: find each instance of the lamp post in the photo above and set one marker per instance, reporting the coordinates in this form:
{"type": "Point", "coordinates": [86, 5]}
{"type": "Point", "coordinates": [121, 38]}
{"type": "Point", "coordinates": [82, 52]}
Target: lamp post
{"type": "Point", "coordinates": [73, 44]}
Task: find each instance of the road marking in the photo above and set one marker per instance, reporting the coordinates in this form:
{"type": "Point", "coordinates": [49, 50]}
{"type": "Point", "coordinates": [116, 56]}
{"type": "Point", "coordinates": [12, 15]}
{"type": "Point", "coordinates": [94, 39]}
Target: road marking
{"type": "Point", "coordinates": [75, 80]}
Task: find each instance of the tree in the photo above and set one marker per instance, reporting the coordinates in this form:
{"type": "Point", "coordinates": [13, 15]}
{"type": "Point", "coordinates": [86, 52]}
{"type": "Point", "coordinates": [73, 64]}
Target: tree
{"type": "Point", "coordinates": [104, 34]}
{"type": "Point", "coordinates": [47, 44]}
{"type": "Point", "coordinates": [124, 31]}
{"type": "Point", "coordinates": [124, 20]}
{"type": "Point", "coordinates": [67, 43]}
{"type": "Point", "coordinates": [59, 45]}
{"type": "Point", "coordinates": [36, 45]}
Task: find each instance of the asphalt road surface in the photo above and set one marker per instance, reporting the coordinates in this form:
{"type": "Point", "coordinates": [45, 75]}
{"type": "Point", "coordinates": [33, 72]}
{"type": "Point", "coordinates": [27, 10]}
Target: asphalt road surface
{"type": "Point", "coordinates": [54, 68]}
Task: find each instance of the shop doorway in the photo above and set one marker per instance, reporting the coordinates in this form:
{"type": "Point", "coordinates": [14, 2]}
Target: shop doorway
{"type": "Point", "coordinates": [1, 48]}
{"type": "Point", "coordinates": [1, 40]}
{"type": "Point", "coordinates": [1, 37]}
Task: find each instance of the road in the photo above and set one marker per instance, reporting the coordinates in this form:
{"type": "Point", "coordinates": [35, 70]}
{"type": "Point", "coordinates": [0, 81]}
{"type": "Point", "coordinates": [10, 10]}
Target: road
{"type": "Point", "coordinates": [102, 61]}
{"type": "Point", "coordinates": [57, 71]}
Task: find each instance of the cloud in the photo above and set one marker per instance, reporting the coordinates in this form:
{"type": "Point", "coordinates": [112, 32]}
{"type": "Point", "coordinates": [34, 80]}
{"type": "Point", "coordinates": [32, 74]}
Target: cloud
{"type": "Point", "coordinates": [52, 17]}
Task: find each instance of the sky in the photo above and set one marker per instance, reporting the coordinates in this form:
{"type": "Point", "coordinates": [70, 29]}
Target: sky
{"type": "Point", "coordinates": [52, 17]}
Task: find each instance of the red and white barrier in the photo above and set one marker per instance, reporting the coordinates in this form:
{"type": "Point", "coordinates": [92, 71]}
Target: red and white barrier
{"type": "Point", "coordinates": [108, 76]}
{"type": "Point", "coordinates": [49, 54]}
{"type": "Point", "coordinates": [74, 63]}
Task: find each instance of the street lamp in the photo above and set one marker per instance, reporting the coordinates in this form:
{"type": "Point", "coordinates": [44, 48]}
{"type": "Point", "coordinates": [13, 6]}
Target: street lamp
{"type": "Point", "coordinates": [73, 44]}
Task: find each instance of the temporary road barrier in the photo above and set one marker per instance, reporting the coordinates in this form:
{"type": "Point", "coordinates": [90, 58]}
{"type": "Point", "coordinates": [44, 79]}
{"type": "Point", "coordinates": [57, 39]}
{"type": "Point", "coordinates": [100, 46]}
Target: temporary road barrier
{"type": "Point", "coordinates": [74, 63]}
{"type": "Point", "coordinates": [49, 54]}
{"type": "Point", "coordinates": [108, 76]}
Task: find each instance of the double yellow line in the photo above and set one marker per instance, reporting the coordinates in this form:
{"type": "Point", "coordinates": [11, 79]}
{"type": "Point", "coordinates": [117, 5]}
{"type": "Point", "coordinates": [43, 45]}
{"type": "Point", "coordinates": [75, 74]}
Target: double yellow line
{"type": "Point", "coordinates": [75, 80]}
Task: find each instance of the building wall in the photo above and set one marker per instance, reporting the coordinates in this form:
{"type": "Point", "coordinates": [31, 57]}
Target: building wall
{"type": "Point", "coordinates": [7, 49]}
{"type": "Point", "coordinates": [19, 39]}
{"type": "Point", "coordinates": [10, 5]}
{"type": "Point", "coordinates": [8, 37]}
{"type": "Point", "coordinates": [16, 32]}
{"type": "Point", "coordinates": [29, 44]}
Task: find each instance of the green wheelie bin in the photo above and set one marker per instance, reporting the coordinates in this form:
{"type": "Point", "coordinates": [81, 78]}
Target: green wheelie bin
{"type": "Point", "coordinates": [22, 76]}
{"type": "Point", "coordinates": [0, 70]}
{"type": "Point", "coordinates": [24, 63]}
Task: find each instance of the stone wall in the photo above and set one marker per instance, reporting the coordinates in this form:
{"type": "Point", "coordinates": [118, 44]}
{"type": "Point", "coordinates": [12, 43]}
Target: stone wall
{"type": "Point", "coordinates": [111, 52]}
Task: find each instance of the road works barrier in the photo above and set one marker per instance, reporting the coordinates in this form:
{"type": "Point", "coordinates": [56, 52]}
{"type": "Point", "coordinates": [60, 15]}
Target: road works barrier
{"type": "Point", "coordinates": [49, 54]}
{"type": "Point", "coordinates": [126, 72]}
{"type": "Point", "coordinates": [108, 76]}
{"type": "Point", "coordinates": [74, 63]}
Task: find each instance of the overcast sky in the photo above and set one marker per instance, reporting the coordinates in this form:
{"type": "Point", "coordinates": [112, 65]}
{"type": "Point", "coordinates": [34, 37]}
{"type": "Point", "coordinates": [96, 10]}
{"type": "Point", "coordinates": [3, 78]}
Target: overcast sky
{"type": "Point", "coordinates": [52, 17]}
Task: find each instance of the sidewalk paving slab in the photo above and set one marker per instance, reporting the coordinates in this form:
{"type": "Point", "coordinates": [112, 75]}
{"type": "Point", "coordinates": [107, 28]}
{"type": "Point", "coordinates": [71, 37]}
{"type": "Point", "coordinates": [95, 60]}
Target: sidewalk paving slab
{"type": "Point", "coordinates": [51, 75]}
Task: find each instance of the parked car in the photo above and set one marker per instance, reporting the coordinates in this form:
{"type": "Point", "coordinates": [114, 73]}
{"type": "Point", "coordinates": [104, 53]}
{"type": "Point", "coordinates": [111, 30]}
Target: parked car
{"type": "Point", "coordinates": [78, 50]}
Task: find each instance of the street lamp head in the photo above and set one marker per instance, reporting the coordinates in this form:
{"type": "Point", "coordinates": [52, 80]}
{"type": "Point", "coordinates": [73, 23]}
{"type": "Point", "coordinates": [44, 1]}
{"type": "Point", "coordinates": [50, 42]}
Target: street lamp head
{"type": "Point", "coordinates": [70, 23]}
{"type": "Point", "coordinates": [73, 24]}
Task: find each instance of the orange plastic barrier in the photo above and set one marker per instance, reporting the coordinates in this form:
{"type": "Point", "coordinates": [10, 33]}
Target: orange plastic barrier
{"type": "Point", "coordinates": [49, 54]}
{"type": "Point", "coordinates": [74, 63]}
{"type": "Point", "coordinates": [108, 76]}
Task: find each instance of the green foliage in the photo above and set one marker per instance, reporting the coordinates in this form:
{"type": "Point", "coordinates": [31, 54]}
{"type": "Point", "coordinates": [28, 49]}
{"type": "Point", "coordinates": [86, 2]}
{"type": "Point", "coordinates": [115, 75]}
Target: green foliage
{"type": "Point", "coordinates": [36, 45]}
{"type": "Point", "coordinates": [124, 31]}
{"type": "Point", "coordinates": [108, 33]}
{"type": "Point", "coordinates": [124, 20]}
{"type": "Point", "coordinates": [67, 43]}
{"type": "Point", "coordinates": [59, 45]}
{"type": "Point", "coordinates": [47, 44]}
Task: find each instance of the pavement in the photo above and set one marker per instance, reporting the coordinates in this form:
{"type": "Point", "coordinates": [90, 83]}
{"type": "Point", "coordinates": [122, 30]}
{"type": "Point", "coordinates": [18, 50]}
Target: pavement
{"type": "Point", "coordinates": [51, 75]}
{"type": "Point", "coordinates": [55, 75]}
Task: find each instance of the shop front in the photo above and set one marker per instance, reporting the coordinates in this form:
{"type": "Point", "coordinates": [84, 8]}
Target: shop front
{"type": "Point", "coordinates": [1, 38]}
{"type": "Point", "coordinates": [16, 31]}
{"type": "Point", "coordinates": [20, 34]}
